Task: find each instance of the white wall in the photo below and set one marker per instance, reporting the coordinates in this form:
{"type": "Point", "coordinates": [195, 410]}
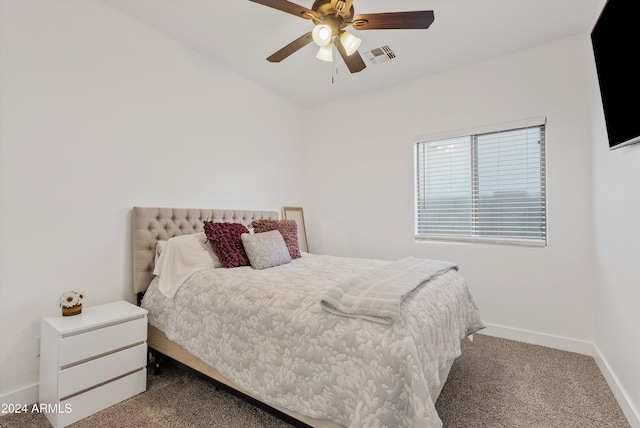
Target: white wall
{"type": "Point", "coordinates": [364, 207]}
{"type": "Point", "coordinates": [617, 243]}
{"type": "Point", "coordinates": [581, 293]}
{"type": "Point", "coordinates": [616, 207]}
{"type": "Point", "coordinates": [99, 114]}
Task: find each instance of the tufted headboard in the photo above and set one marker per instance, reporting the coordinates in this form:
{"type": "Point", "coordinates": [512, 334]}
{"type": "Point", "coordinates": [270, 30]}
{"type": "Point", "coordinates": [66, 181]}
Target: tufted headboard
{"type": "Point", "coordinates": [150, 225]}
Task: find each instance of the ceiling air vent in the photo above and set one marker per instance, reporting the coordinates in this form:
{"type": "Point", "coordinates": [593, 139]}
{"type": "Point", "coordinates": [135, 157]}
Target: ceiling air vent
{"type": "Point", "coordinates": [380, 55]}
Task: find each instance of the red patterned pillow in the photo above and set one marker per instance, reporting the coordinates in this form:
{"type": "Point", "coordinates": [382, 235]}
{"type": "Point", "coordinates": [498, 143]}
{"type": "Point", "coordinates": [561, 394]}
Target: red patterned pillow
{"type": "Point", "coordinates": [288, 229]}
{"type": "Point", "coordinates": [226, 241]}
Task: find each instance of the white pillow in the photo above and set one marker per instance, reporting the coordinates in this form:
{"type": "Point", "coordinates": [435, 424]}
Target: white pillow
{"type": "Point", "coordinates": [265, 249]}
{"type": "Point", "coordinates": [160, 246]}
{"type": "Point", "coordinates": [183, 256]}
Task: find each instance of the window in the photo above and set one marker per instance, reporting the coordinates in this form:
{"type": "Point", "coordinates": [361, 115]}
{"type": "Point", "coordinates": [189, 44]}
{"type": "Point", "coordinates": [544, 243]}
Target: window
{"type": "Point", "coordinates": [486, 186]}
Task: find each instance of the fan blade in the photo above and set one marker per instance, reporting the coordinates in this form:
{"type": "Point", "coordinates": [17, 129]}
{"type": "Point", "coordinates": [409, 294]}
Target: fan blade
{"type": "Point", "coordinates": [394, 20]}
{"type": "Point", "coordinates": [292, 47]}
{"type": "Point", "coordinates": [354, 62]}
{"type": "Point", "coordinates": [287, 6]}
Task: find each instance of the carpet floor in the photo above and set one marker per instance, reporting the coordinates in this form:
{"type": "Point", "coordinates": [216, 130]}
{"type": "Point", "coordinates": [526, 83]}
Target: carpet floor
{"type": "Point", "coordinates": [496, 383]}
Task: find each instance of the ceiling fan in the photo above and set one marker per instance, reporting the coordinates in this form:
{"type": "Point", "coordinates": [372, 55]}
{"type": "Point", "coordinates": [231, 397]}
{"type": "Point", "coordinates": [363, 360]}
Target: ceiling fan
{"type": "Point", "coordinates": [331, 17]}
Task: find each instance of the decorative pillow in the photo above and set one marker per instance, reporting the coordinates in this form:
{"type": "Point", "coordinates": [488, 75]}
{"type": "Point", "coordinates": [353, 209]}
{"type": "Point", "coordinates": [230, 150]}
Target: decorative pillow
{"type": "Point", "coordinates": [288, 229]}
{"type": "Point", "coordinates": [226, 242]}
{"type": "Point", "coordinates": [266, 249]}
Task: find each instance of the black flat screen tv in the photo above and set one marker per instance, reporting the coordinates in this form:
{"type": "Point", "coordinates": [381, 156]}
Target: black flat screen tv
{"type": "Point", "coordinates": [616, 47]}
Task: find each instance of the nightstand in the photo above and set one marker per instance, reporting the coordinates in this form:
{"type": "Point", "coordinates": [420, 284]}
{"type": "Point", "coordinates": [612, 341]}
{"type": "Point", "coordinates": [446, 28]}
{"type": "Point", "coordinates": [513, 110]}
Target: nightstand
{"type": "Point", "coordinates": [91, 361]}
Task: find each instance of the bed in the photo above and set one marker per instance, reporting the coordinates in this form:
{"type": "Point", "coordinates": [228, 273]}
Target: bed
{"type": "Point", "coordinates": [285, 335]}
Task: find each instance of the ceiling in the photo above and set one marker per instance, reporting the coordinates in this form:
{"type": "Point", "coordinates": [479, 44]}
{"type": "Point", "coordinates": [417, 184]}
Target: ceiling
{"type": "Point", "coordinates": [240, 34]}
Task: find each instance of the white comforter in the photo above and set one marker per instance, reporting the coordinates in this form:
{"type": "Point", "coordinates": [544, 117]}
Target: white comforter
{"type": "Point", "coordinates": [266, 331]}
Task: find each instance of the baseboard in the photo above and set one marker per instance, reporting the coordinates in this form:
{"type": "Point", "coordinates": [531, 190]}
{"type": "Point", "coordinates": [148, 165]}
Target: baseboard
{"type": "Point", "coordinates": [550, 341]}
{"type": "Point", "coordinates": [579, 347]}
{"type": "Point", "coordinates": [630, 411]}
{"type": "Point", "coordinates": [25, 396]}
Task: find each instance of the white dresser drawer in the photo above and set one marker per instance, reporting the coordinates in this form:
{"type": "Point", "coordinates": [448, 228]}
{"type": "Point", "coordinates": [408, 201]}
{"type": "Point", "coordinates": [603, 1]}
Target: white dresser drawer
{"type": "Point", "coordinates": [100, 398]}
{"type": "Point", "coordinates": [90, 344]}
{"type": "Point", "coordinates": [100, 370]}
{"type": "Point", "coordinates": [91, 361]}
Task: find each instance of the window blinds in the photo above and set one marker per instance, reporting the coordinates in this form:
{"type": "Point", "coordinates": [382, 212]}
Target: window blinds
{"type": "Point", "coordinates": [486, 186]}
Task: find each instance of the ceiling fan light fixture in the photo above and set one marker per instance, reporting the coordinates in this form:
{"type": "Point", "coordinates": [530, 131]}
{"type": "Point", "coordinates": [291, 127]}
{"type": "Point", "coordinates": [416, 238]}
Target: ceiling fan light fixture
{"type": "Point", "coordinates": [321, 35]}
{"type": "Point", "coordinates": [350, 42]}
{"type": "Point", "coordinates": [330, 17]}
{"type": "Point", "coordinates": [325, 53]}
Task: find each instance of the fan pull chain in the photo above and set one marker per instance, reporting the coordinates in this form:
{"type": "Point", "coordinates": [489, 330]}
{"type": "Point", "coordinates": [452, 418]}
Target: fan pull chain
{"type": "Point", "coordinates": [332, 74]}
